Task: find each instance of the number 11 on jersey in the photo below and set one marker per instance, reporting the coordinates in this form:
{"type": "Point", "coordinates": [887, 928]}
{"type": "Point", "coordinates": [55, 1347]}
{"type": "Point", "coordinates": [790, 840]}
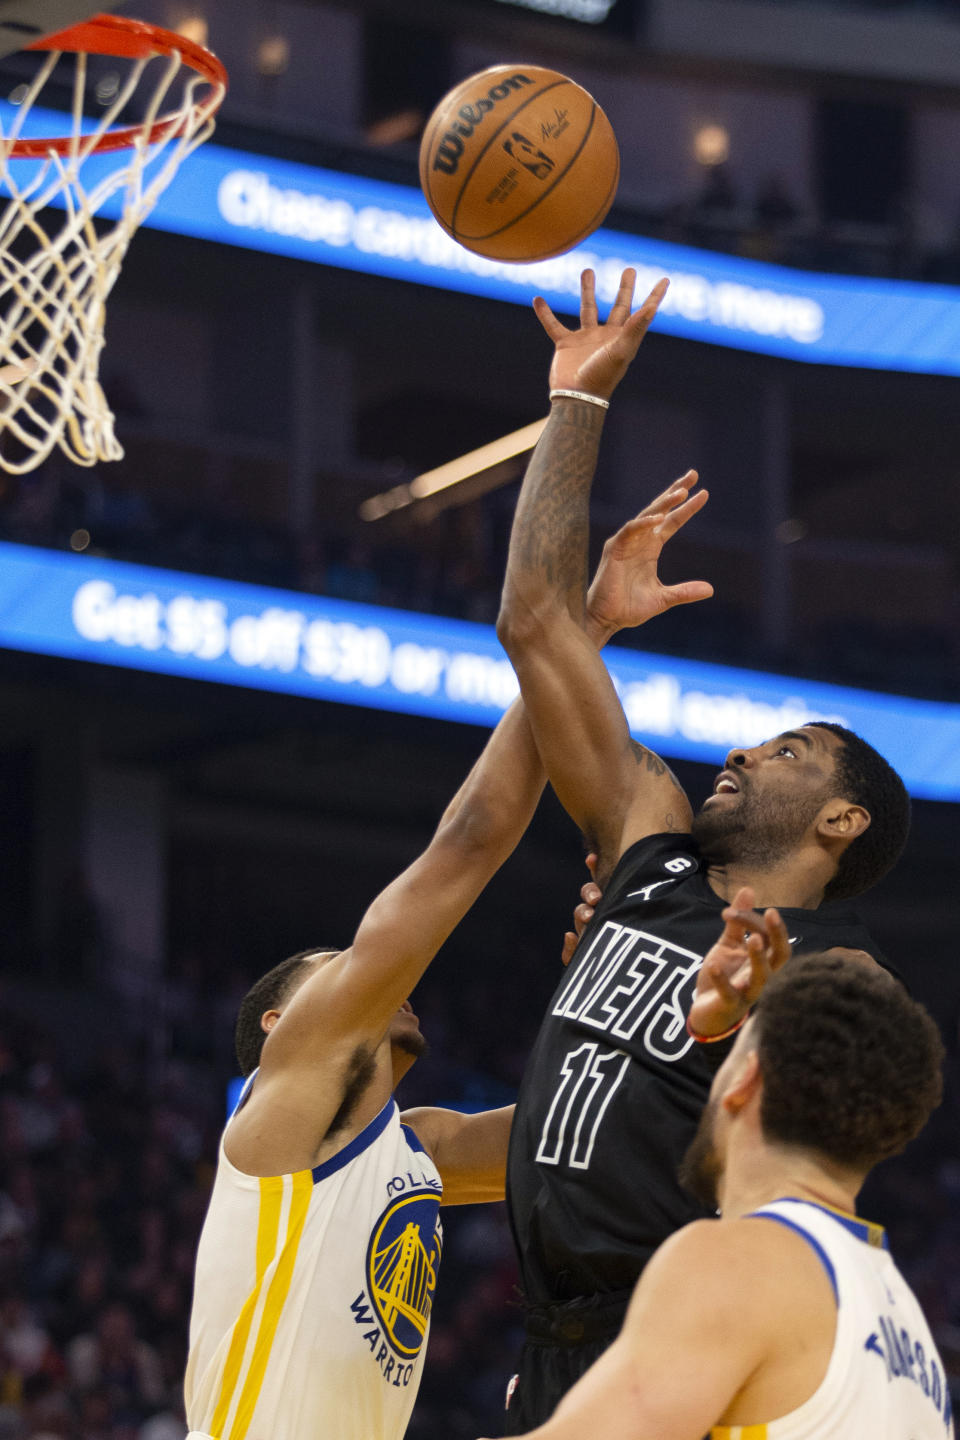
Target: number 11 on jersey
{"type": "Point", "coordinates": [589, 1078]}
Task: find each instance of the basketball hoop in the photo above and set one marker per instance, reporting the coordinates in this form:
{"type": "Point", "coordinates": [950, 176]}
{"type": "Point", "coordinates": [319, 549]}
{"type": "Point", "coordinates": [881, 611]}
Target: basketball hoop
{"type": "Point", "coordinates": [55, 278]}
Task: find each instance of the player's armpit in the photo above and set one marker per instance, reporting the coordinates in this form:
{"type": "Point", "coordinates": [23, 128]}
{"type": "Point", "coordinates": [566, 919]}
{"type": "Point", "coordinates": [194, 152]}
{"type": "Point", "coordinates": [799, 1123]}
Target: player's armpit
{"type": "Point", "coordinates": [614, 790]}
{"type": "Point", "coordinates": [470, 1151]}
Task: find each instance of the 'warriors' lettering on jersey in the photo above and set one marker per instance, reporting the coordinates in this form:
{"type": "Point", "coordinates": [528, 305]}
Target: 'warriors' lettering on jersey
{"type": "Point", "coordinates": [401, 1273]}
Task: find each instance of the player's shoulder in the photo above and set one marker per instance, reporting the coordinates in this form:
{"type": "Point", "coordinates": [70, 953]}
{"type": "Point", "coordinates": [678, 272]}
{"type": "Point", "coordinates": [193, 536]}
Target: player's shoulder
{"type": "Point", "coordinates": [717, 1255]}
{"type": "Point", "coordinates": [834, 925]}
{"type": "Point", "coordinates": [720, 1241]}
{"type": "Point", "coordinates": [720, 1261]}
{"type": "Point", "coordinates": [669, 854]}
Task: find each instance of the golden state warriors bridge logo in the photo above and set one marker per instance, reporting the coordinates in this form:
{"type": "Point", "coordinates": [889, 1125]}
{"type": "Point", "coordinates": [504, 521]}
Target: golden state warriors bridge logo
{"type": "Point", "coordinates": [402, 1263]}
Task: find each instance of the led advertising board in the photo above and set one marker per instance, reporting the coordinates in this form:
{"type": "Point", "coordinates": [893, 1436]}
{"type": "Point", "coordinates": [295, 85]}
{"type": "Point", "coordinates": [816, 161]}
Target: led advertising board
{"type": "Point", "coordinates": [613, 15]}
{"type": "Point", "coordinates": [85, 607]}
{"type": "Point", "coordinates": [379, 228]}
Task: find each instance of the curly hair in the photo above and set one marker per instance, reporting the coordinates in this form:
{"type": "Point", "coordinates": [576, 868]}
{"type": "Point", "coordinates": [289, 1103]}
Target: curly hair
{"type": "Point", "coordinates": [266, 994]}
{"type": "Point", "coordinates": [866, 779]}
{"type": "Point", "coordinates": [851, 1064]}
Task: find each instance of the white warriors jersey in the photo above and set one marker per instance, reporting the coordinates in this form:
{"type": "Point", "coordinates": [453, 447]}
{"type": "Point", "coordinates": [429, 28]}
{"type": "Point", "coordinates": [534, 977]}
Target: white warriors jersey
{"type": "Point", "coordinates": [885, 1380]}
{"type": "Point", "coordinates": [312, 1294]}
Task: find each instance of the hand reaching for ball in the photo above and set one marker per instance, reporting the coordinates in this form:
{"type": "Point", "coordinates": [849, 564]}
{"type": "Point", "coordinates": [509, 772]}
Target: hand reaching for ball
{"type": "Point", "coordinates": [596, 357]}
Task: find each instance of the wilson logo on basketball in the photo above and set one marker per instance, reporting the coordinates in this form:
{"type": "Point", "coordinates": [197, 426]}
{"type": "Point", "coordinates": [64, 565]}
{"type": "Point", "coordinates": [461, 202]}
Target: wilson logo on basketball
{"type": "Point", "coordinates": [450, 148]}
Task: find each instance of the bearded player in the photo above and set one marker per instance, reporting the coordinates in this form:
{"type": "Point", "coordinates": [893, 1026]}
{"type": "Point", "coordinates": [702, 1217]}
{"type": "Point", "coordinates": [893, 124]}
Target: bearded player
{"type": "Point", "coordinates": [615, 1084]}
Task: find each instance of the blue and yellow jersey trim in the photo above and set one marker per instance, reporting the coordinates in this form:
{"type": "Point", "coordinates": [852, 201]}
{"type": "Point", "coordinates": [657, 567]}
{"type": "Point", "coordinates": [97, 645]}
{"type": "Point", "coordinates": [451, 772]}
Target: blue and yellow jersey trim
{"type": "Point", "coordinates": [283, 1203]}
{"type": "Point", "coordinates": [260, 1315]}
{"type": "Point", "coordinates": [865, 1230]}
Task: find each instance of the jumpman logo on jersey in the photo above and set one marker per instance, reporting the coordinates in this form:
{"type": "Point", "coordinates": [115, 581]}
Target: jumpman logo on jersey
{"type": "Point", "coordinates": [648, 890]}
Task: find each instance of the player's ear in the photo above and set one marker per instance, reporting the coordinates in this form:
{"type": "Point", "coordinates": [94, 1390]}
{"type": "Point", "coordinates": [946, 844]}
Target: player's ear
{"type": "Point", "coordinates": [744, 1083]}
{"type": "Point", "coordinates": [268, 1019]}
{"type": "Point", "coordinates": [842, 820]}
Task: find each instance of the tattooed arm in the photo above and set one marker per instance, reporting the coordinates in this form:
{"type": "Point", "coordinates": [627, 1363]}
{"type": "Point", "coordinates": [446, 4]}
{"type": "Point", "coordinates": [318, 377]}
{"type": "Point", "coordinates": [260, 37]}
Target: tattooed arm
{"type": "Point", "coordinates": [616, 790]}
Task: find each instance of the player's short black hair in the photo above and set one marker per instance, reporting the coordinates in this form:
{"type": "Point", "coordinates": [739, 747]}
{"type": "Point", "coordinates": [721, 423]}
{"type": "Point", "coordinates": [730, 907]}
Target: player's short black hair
{"type": "Point", "coordinates": [851, 1065]}
{"type": "Point", "coordinates": [267, 993]}
{"type": "Point", "coordinates": [866, 779]}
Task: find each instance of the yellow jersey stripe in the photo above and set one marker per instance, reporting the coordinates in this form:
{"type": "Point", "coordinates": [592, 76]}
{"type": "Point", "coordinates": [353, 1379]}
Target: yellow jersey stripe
{"type": "Point", "coordinates": [739, 1432]}
{"type": "Point", "coordinates": [273, 1306]}
{"type": "Point", "coordinates": [268, 1226]}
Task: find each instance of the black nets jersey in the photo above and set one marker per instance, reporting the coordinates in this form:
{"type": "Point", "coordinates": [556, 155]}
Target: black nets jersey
{"type": "Point", "coordinates": [615, 1085]}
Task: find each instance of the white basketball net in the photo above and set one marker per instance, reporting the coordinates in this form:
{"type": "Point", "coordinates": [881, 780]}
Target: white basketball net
{"type": "Point", "coordinates": [55, 277]}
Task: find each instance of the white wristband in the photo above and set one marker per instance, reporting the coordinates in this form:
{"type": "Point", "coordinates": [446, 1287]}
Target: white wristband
{"type": "Point", "coordinates": [580, 395]}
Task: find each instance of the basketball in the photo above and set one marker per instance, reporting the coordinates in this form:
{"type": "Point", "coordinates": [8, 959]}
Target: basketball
{"type": "Point", "coordinates": [519, 163]}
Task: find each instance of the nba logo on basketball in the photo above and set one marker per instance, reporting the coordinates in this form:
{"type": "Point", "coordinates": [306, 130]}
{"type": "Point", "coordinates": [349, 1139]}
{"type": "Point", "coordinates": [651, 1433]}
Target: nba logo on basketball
{"type": "Point", "coordinates": [526, 154]}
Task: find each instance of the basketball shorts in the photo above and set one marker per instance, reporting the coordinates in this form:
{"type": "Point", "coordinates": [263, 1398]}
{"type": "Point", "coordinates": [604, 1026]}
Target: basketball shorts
{"type": "Point", "coordinates": [562, 1343]}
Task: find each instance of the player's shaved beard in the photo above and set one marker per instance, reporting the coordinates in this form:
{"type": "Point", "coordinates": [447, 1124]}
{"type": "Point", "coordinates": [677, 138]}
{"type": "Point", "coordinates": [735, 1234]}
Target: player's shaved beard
{"type": "Point", "coordinates": [759, 830]}
{"type": "Point", "coordinates": [701, 1169]}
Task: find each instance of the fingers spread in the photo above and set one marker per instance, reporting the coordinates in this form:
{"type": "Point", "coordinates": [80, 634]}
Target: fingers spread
{"type": "Point", "coordinates": [620, 309]}
{"type": "Point", "coordinates": [676, 518]}
{"type": "Point", "coordinates": [588, 298]}
{"type": "Point", "coordinates": [548, 320]}
{"type": "Point", "coordinates": [674, 494]}
{"type": "Point", "coordinates": [780, 947]}
{"type": "Point", "coordinates": [640, 319]}
{"type": "Point", "coordinates": [687, 592]}
{"type": "Point", "coordinates": [738, 923]}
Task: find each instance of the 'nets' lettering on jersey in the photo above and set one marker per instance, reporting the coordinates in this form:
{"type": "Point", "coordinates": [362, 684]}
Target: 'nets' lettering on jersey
{"type": "Point", "coordinates": [629, 976]}
{"type": "Point", "coordinates": [589, 1078]}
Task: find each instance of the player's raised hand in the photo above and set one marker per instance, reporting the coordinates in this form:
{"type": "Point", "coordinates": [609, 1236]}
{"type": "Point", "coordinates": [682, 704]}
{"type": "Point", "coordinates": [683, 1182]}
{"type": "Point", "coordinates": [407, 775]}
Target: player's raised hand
{"type": "Point", "coordinates": [751, 948]}
{"type": "Point", "coordinates": [596, 357]}
{"type": "Point", "coordinates": [590, 897]}
{"type": "Point", "coordinates": [627, 590]}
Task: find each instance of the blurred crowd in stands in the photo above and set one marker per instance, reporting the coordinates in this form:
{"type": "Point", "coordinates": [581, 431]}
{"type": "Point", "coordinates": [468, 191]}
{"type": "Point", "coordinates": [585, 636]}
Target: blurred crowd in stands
{"type": "Point", "coordinates": [108, 1140]}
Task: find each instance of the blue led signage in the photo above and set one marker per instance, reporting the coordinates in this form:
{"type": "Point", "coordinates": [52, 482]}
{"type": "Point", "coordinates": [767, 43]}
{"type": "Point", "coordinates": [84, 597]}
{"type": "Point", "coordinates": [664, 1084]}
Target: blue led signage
{"type": "Point", "coordinates": [385, 229]}
{"type": "Point", "coordinates": [89, 608]}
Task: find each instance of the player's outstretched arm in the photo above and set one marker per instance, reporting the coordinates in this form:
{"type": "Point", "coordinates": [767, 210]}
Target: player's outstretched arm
{"type": "Point", "coordinates": [351, 1000]}
{"type": "Point", "coordinates": [470, 1151]}
{"type": "Point", "coordinates": [615, 790]}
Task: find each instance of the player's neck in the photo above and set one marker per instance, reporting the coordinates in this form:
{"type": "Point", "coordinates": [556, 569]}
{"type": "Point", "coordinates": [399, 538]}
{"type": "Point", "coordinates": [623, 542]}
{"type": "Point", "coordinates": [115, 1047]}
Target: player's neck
{"type": "Point", "coordinates": [758, 1174]}
{"type": "Point", "coordinates": [794, 884]}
